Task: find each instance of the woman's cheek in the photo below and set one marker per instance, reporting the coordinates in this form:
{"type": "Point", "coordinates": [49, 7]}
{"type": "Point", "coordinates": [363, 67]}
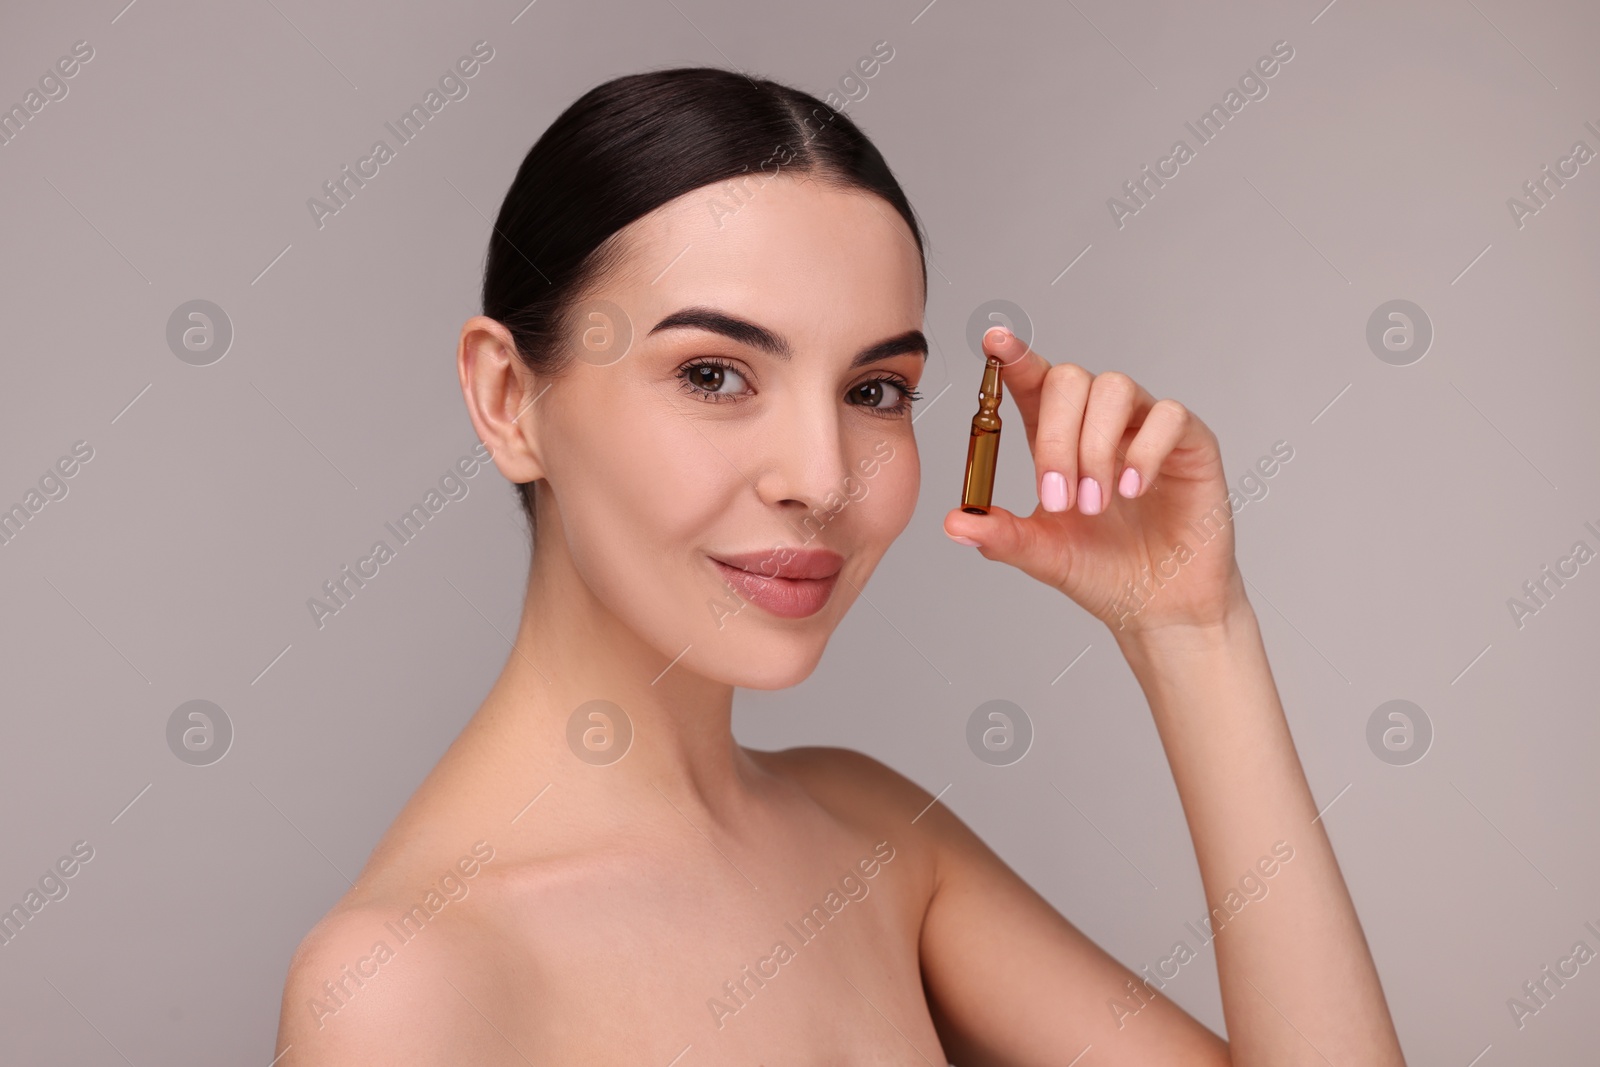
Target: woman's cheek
{"type": "Point", "coordinates": [894, 485]}
{"type": "Point", "coordinates": [639, 494]}
{"type": "Point", "coordinates": [659, 480]}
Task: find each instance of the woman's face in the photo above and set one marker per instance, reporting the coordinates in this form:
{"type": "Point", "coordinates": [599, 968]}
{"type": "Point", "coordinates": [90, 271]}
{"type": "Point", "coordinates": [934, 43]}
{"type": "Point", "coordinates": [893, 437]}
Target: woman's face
{"type": "Point", "coordinates": [758, 416]}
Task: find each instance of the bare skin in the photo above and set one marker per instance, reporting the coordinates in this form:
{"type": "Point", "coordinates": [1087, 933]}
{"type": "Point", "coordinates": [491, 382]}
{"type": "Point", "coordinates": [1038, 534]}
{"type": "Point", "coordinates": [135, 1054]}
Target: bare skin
{"type": "Point", "coordinates": [591, 912]}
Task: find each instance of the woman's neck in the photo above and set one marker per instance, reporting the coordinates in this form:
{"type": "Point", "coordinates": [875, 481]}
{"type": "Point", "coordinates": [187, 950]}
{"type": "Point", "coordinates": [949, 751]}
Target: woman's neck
{"type": "Point", "coordinates": [570, 650]}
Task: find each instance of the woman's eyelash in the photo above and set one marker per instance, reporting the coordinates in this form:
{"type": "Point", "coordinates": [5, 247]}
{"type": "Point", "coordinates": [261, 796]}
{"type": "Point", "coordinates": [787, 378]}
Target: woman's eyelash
{"type": "Point", "coordinates": [907, 395]}
{"type": "Point", "coordinates": [684, 374]}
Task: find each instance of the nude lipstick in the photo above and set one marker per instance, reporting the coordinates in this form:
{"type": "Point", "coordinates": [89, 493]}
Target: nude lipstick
{"type": "Point", "coordinates": [790, 583]}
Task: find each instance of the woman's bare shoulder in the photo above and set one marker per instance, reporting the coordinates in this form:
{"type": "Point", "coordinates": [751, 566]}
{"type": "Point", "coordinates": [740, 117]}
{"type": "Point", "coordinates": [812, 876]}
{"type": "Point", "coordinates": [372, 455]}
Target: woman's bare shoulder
{"type": "Point", "coordinates": [856, 785]}
{"type": "Point", "coordinates": [859, 790]}
{"type": "Point", "coordinates": [396, 970]}
{"type": "Point", "coordinates": [354, 994]}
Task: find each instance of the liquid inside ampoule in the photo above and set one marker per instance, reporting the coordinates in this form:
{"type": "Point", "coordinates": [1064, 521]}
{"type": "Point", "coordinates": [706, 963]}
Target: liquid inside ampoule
{"type": "Point", "coordinates": [983, 447]}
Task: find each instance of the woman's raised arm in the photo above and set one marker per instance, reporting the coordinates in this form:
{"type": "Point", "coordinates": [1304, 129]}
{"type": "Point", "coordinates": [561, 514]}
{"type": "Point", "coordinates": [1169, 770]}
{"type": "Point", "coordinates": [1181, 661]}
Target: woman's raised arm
{"type": "Point", "coordinates": [1147, 547]}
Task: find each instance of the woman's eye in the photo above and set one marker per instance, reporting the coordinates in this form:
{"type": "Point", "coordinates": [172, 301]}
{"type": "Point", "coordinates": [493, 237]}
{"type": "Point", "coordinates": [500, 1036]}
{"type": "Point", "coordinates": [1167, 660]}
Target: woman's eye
{"type": "Point", "coordinates": [885, 395]}
{"type": "Point", "coordinates": [872, 393]}
{"type": "Point", "coordinates": [712, 380]}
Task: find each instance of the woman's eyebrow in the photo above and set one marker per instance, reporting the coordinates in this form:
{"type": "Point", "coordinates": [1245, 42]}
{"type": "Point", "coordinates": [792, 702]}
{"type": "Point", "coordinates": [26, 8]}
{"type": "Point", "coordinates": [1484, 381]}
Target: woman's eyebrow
{"type": "Point", "coordinates": [756, 336]}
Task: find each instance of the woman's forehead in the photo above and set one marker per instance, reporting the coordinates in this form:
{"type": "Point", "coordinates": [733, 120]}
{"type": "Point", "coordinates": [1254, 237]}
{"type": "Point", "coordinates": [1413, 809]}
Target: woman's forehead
{"type": "Point", "coordinates": [805, 261]}
{"type": "Point", "coordinates": [785, 220]}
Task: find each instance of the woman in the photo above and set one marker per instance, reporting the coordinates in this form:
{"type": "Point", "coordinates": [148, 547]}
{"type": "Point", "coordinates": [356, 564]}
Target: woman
{"type": "Point", "coordinates": [702, 310]}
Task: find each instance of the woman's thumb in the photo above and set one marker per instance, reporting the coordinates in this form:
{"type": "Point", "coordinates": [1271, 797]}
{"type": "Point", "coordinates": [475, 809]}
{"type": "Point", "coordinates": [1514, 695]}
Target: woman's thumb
{"type": "Point", "coordinates": [999, 535]}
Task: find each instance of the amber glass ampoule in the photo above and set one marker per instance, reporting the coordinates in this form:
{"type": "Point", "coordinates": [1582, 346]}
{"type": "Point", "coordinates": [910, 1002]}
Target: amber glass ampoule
{"type": "Point", "coordinates": [983, 447]}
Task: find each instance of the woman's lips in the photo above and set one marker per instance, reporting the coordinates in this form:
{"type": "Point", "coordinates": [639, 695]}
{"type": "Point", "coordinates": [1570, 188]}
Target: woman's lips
{"type": "Point", "coordinates": [789, 598]}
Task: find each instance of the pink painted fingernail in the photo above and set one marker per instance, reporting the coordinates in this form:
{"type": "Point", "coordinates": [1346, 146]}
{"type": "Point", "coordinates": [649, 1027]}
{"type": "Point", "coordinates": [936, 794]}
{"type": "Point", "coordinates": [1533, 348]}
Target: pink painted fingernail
{"type": "Point", "coordinates": [964, 541]}
{"type": "Point", "coordinates": [1130, 482]}
{"type": "Point", "coordinates": [1053, 491]}
{"type": "Point", "coordinates": [1089, 496]}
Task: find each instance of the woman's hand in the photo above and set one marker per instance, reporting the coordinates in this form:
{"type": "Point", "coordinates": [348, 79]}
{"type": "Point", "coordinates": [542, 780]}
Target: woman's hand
{"type": "Point", "coordinates": [1133, 522]}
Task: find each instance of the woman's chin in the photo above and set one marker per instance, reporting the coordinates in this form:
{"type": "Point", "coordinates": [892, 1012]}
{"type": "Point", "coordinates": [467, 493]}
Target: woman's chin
{"type": "Point", "coordinates": [774, 668]}
{"type": "Point", "coordinates": [771, 680]}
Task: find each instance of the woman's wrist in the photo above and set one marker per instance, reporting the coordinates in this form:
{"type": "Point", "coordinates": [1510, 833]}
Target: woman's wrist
{"type": "Point", "coordinates": [1234, 616]}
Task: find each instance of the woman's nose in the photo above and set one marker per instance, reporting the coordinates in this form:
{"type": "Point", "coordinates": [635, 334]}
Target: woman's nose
{"type": "Point", "coordinates": [803, 460]}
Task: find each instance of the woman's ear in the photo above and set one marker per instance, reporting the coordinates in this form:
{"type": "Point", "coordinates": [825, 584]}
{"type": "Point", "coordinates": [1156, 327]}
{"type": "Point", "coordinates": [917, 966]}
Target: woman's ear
{"type": "Point", "coordinates": [500, 393]}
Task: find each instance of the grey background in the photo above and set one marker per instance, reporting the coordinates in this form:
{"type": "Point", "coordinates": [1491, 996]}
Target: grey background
{"type": "Point", "coordinates": [1418, 501]}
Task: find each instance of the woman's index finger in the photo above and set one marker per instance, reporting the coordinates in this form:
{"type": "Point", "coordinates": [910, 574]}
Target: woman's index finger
{"type": "Point", "coordinates": [1022, 374]}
